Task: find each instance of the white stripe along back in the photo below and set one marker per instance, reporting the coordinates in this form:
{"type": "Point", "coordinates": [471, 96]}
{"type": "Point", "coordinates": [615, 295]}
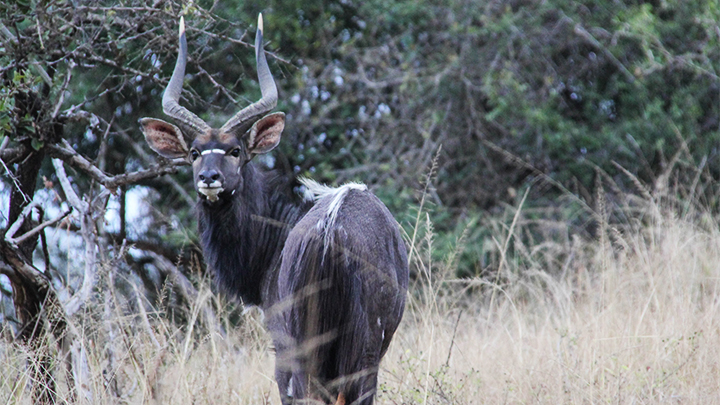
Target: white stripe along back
{"type": "Point", "coordinates": [320, 191]}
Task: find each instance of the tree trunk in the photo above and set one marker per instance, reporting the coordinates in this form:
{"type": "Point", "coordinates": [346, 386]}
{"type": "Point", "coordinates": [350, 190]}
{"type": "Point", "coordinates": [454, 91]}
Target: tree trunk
{"type": "Point", "coordinates": [31, 288]}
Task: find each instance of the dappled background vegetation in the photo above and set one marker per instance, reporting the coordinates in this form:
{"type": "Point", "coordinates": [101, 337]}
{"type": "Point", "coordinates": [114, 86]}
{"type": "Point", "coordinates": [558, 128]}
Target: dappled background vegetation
{"type": "Point", "coordinates": [580, 112]}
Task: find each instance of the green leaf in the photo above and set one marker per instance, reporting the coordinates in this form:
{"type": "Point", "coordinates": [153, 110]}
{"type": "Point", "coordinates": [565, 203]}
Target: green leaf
{"type": "Point", "coordinates": [37, 144]}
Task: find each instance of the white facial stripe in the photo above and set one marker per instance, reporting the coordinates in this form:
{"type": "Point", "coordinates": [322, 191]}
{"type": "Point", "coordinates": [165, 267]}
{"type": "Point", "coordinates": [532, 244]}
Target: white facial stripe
{"type": "Point", "coordinates": [209, 151]}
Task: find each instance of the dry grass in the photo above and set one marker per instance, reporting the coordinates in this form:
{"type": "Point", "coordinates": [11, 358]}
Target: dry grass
{"type": "Point", "coordinates": [632, 318]}
{"type": "Point", "coordinates": [631, 326]}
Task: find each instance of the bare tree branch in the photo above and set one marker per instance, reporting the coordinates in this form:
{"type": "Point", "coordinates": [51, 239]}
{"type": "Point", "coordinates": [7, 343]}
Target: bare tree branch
{"type": "Point", "coordinates": [15, 180]}
{"type": "Point", "coordinates": [140, 175]}
{"type": "Point", "coordinates": [70, 194]}
{"type": "Point", "coordinates": [21, 218]}
{"type": "Point", "coordinates": [114, 64]}
{"type": "Point", "coordinates": [19, 268]}
{"type": "Point", "coordinates": [63, 89]}
{"type": "Point", "coordinates": [67, 154]}
{"type": "Point", "coordinates": [182, 191]}
{"type": "Point", "coordinates": [20, 239]}
{"type": "Point", "coordinates": [10, 155]}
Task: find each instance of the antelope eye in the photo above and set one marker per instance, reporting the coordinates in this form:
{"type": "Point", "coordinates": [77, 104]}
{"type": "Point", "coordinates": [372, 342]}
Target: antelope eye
{"type": "Point", "coordinates": [194, 154]}
{"type": "Point", "coordinates": [235, 152]}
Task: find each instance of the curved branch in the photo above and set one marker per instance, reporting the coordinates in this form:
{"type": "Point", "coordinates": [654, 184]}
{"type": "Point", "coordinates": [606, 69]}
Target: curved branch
{"type": "Point", "coordinates": [72, 197]}
{"type": "Point", "coordinates": [18, 268]}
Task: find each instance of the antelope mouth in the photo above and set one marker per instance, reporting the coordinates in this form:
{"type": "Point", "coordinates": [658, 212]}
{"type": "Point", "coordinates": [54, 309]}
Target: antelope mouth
{"type": "Point", "coordinates": [211, 191]}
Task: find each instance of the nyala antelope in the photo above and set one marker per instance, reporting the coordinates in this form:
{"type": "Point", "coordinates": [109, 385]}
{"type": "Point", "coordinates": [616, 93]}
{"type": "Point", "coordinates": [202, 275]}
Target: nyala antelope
{"type": "Point", "coordinates": [330, 272]}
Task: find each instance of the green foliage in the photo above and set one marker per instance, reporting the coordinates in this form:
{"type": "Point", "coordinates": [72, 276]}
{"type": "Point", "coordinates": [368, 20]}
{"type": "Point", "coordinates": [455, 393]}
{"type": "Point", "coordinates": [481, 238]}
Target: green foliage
{"type": "Point", "coordinates": [565, 88]}
{"type": "Point", "coordinates": [10, 122]}
{"type": "Point", "coordinates": [545, 94]}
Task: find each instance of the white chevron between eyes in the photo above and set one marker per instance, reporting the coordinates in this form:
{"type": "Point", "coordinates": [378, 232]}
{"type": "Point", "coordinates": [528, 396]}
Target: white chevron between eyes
{"type": "Point", "coordinates": [209, 151]}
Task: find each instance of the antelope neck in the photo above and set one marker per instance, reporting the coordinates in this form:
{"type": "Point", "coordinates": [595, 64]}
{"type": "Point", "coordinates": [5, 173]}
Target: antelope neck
{"type": "Point", "coordinates": [242, 238]}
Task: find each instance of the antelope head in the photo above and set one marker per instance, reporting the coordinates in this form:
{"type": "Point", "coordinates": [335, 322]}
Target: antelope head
{"type": "Point", "coordinates": [217, 155]}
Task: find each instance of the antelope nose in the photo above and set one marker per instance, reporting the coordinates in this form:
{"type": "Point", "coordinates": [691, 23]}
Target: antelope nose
{"type": "Point", "coordinates": [209, 176]}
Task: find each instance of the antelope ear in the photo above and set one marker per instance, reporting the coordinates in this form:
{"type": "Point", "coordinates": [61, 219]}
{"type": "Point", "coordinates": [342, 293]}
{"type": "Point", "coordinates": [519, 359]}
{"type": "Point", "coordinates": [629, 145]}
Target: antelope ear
{"type": "Point", "coordinates": [265, 133]}
{"type": "Point", "coordinates": [164, 138]}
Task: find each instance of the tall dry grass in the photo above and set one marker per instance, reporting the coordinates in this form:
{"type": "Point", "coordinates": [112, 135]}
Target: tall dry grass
{"type": "Point", "coordinates": [628, 316]}
{"type": "Point", "coordinates": [633, 318]}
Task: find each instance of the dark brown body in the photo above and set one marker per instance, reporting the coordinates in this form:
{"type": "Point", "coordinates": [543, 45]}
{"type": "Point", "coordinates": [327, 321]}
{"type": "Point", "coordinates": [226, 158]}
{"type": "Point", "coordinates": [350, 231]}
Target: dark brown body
{"type": "Point", "coordinates": [329, 270]}
{"type": "Point", "coordinates": [347, 286]}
